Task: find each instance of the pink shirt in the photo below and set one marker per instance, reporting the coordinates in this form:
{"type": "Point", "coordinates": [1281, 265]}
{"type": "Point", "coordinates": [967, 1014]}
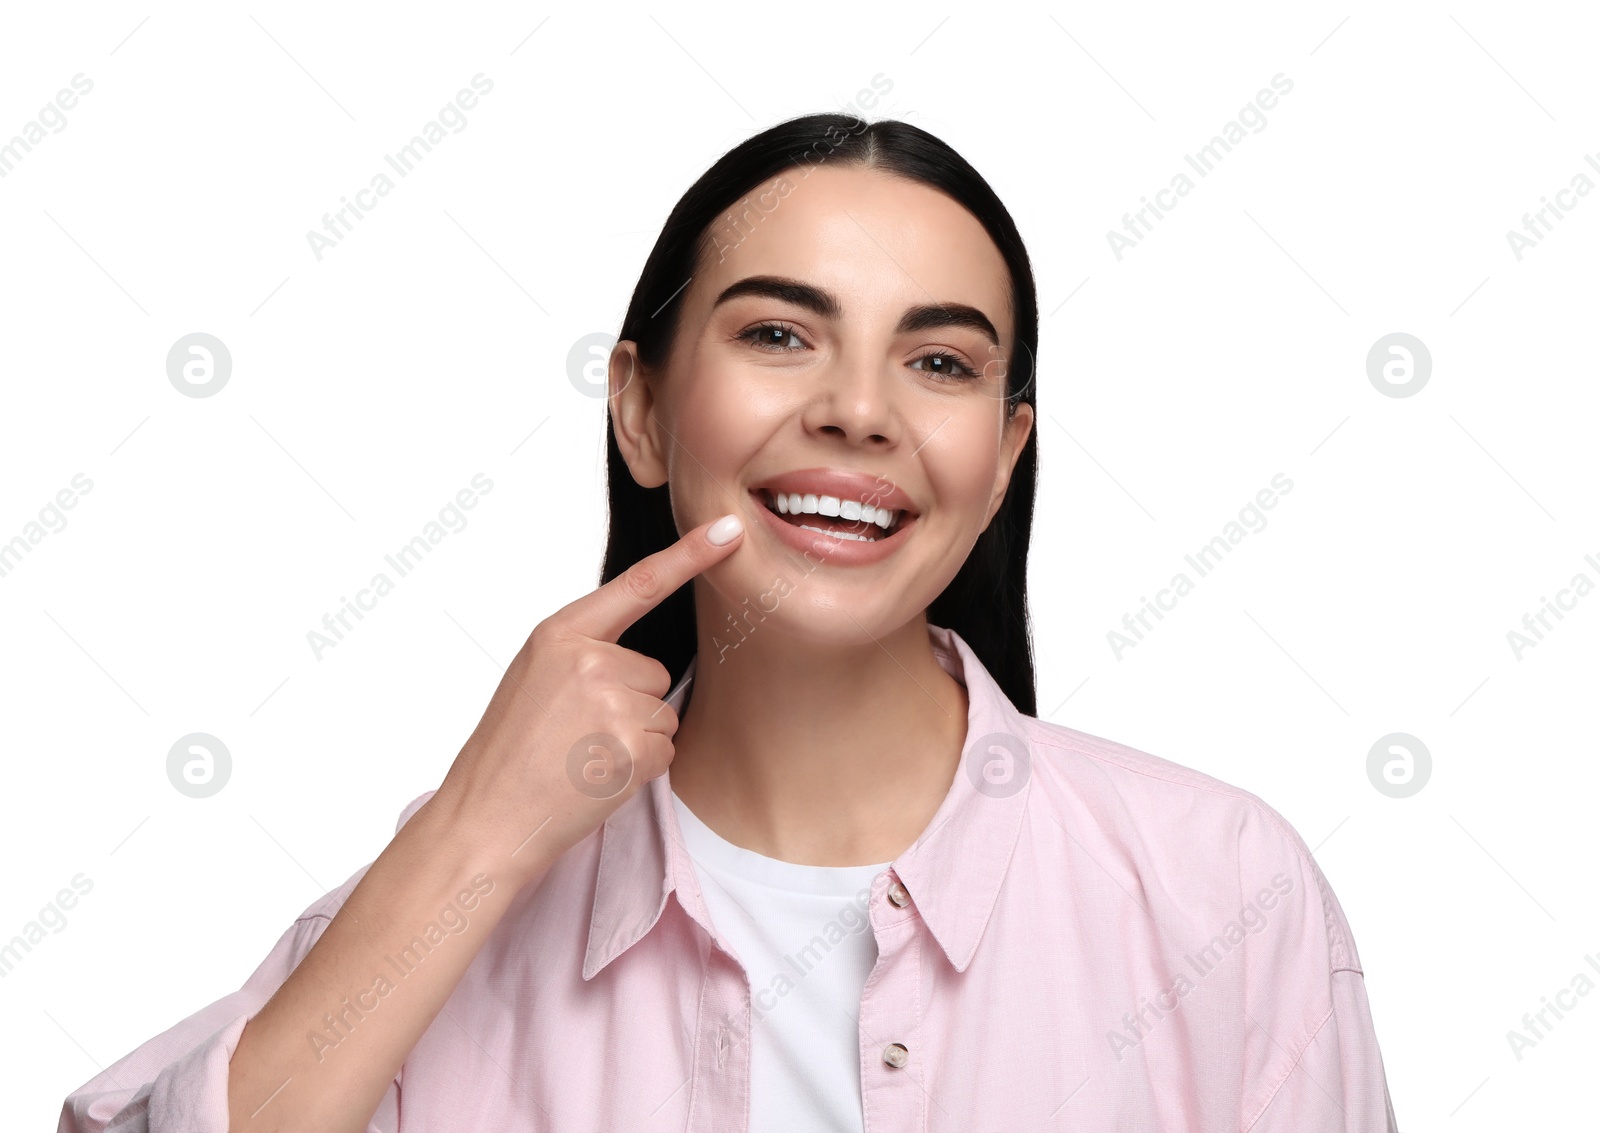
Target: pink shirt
{"type": "Point", "coordinates": [1085, 937]}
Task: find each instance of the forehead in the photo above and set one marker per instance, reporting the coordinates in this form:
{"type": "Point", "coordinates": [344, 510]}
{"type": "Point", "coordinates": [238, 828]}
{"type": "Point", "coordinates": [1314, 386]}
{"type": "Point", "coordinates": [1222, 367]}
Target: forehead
{"type": "Point", "coordinates": [879, 242]}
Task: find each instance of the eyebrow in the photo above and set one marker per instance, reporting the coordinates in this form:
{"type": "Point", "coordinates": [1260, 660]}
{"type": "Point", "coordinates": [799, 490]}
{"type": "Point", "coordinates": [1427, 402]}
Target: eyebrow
{"type": "Point", "coordinates": [926, 317]}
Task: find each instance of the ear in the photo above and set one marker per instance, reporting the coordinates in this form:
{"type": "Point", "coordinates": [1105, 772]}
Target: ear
{"type": "Point", "coordinates": [632, 418]}
{"type": "Point", "coordinates": [1013, 436]}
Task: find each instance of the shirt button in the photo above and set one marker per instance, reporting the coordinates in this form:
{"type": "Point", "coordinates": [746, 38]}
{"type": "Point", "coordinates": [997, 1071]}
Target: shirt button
{"type": "Point", "coordinates": [895, 1055]}
{"type": "Point", "coordinates": [898, 897]}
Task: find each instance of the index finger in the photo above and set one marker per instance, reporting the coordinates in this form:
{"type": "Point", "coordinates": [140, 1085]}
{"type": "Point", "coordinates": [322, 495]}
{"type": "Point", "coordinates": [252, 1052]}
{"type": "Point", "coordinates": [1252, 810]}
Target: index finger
{"type": "Point", "coordinates": [611, 608]}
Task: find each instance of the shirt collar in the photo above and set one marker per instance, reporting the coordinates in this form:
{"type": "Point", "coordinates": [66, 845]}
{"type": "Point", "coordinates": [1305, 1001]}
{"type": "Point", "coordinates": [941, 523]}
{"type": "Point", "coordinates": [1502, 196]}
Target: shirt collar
{"type": "Point", "coordinates": [953, 871]}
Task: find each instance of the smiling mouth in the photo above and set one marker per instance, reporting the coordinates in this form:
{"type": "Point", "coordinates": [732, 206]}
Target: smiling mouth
{"type": "Point", "coordinates": [833, 516]}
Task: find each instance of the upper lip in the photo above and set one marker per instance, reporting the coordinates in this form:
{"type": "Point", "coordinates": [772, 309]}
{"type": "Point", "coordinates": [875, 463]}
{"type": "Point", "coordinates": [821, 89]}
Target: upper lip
{"type": "Point", "coordinates": [863, 487]}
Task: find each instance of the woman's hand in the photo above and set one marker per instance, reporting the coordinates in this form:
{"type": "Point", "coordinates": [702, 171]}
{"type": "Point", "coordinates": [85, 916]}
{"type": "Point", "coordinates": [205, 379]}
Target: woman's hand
{"type": "Point", "coordinates": [575, 727]}
{"type": "Point", "coordinates": [578, 723]}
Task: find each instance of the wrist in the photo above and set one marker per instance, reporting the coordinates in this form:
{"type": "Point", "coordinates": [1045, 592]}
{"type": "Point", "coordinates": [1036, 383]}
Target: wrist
{"type": "Point", "coordinates": [450, 832]}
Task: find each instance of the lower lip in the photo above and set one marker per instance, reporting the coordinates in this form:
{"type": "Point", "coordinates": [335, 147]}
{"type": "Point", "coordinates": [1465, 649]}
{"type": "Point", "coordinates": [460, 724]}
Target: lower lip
{"type": "Point", "coordinates": [843, 552]}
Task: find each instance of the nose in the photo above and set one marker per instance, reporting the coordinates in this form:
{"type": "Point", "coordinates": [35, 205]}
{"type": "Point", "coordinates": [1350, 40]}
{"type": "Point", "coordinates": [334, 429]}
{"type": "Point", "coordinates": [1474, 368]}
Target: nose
{"type": "Point", "coordinates": [854, 399]}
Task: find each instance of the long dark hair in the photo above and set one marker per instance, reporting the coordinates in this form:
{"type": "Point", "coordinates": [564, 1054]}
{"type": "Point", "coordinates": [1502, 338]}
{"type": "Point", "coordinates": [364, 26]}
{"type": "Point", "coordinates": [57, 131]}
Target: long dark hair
{"type": "Point", "coordinates": [987, 601]}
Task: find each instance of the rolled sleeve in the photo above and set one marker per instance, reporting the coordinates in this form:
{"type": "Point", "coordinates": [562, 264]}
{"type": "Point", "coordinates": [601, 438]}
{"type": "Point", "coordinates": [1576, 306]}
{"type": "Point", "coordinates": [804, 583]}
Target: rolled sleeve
{"type": "Point", "coordinates": [177, 1082]}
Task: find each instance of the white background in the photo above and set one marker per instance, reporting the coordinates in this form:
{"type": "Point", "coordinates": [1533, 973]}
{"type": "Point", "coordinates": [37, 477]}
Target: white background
{"type": "Point", "coordinates": [369, 387]}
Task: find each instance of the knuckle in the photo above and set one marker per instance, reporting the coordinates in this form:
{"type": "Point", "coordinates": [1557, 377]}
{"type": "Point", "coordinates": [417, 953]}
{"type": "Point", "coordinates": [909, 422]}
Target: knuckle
{"type": "Point", "coordinates": [646, 755]}
{"type": "Point", "coordinates": [545, 635]}
{"type": "Point", "coordinates": [590, 665]}
{"type": "Point", "coordinates": [611, 702]}
{"type": "Point", "coordinates": [641, 581]}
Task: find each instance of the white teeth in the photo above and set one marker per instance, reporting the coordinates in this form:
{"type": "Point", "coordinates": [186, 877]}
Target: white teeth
{"type": "Point", "coordinates": [793, 503]}
{"type": "Point", "coordinates": [838, 534]}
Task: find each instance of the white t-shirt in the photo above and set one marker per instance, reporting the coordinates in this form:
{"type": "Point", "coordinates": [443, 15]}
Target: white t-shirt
{"type": "Point", "coordinates": [804, 939]}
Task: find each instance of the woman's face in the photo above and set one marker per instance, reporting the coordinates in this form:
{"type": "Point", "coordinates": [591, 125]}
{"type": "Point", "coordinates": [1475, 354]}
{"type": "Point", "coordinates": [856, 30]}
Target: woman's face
{"type": "Point", "coordinates": [839, 325]}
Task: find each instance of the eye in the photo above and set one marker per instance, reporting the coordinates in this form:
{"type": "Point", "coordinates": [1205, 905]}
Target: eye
{"type": "Point", "coordinates": [769, 336]}
{"type": "Point", "coordinates": [953, 367]}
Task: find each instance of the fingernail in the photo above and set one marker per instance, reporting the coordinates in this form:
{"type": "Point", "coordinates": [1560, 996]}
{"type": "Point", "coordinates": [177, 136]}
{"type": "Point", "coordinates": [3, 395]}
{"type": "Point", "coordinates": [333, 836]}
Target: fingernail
{"type": "Point", "coordinates": [723, 530]}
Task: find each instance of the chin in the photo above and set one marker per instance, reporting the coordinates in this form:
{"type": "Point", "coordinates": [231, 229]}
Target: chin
{"type": "Point", "coordinates": [802, 609]}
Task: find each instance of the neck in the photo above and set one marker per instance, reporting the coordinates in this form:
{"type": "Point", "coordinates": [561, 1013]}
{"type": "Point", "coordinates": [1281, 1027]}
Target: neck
{"type": "Point", "coordinates": [819, 754]}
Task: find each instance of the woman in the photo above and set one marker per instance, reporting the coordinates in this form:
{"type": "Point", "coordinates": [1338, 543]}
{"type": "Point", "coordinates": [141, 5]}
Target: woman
{"type": "Point", "coordinates": [874, 891]}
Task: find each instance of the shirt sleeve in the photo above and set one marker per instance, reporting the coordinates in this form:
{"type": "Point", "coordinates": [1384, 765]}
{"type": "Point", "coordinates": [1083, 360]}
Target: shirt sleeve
{"type": "Point", "coordinates": [1337, 1083]}
{"type": "Point", "coordinates": [177, 1082]}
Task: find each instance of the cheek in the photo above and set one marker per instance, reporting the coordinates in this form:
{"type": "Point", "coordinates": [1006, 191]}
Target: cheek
{"type": "Point", "coordinates": [962, 469]}
{"type": "Point", "coordinates": [718, 424]}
